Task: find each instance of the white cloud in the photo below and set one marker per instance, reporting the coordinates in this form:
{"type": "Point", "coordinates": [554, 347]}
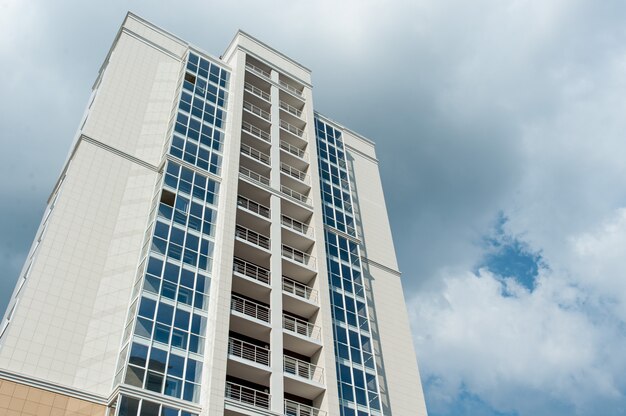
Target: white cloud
{"type": "Point", "coordinates": [556, 345]}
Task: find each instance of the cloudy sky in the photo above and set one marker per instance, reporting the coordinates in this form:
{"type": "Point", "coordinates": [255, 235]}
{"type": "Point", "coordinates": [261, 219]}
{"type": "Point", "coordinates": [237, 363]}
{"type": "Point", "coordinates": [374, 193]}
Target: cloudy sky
{"type": "Point", "coordinates": [500, 128]}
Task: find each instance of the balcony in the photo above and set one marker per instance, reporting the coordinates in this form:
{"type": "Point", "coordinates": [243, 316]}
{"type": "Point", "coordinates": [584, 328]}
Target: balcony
{"type": "Point", "coordinates": [249, 396]}
{"type": "Point", "coordinates": [292, 129]}
{"type": "Point", "coordinates": [250, 308]}
{"type": "Point", "coordinates": [293, 150]}
{"type": "Point", "coordinates": [296, 195]}
{"type": "Point", "coordinates": [251, 280]}
{"type": "Point", "coordinates": [250, 318]}
{"type": "Point", "coordinates": [303, 369]}
{"type": "Point", "coordinates": [252, 175]}
{"type": "Point", "coordinates": [251, 271]}
{"type": "Point", "coordinates": [247, 361]}
{"type": "Point", "coordinates": [256, 110]}
{"type": "Point", "coordinates": [302, 378]}
{"type": "Point", "coordinates": [298, 409]}
{"type": "Point", "coordinates": [297, 226]}
{"type": "Point", "coordinates": [295, 173]}
{"type": "Point", "coordinates": [257, 70]}
{"type": "Point", "coordinates": [252, 237]}
{"type": "Point", "coordinates": [256, 91]}
{"type": "Point", "coordinates": [299, 290]}
{"type": "Point", "coordinates": [290, 109]}
{"type": "Point", "coordinates": [249, 352]}
{"type": "Point", "coordinates": [252, 206]}
{"type": "Point", "coordinates": [298, 257]}
{"type": "Point", "coordinates": [301, 327]}
{"type": "Point", "coordinates": [255, 131]}
{"type": "Point", "coordinates": [290, 88]}
{"type": "Point", "coordinates": [253, 153]}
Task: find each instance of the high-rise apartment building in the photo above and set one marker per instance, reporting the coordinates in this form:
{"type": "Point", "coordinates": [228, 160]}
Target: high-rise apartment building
{"type": "Point", "coordinates": [212, 246]}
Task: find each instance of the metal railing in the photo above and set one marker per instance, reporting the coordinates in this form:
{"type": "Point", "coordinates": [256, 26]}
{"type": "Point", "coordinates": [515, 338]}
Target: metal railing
{"type": "Point", "coordinates": [295, 194]}
{"type": "Point", "coordinates": [299, 289]}
{"type": "Point", "coordinates": [250, 308]}
{"type": "Point", "coordinates": [290, 109]}
{"type": "Point", "coordinates": [255, 131]}
{"type": "Point", "coordinates": [296, 226]}
{"type": "Point", "coordinates": [256, 110]}
{"type": "Point", "coordinates": [294, 173]}
{"type": "Point", "coordinates": [255, 154]}
{"type": "Point", "coordinates": [294, 150]}
{"type": "Point", "coordinates": [301, 327]}
{"type": "Point", "coordinates": [258, 70]}
{"type": "Point", "coordinates": [243, 171]}
{"type": "Point", "coordinates": [251, 270]}
{"type": "Point", "coordinates": [253, 206]}
{"type": "Point", "coordinates": [256, 91]}
{"type": "Point", "coordinates": [303, 369]}
{"type": "Point", "coordinates": [291, 128]}
{"type": "Point", "coordinates": [298, 256]}
{"type": "Point", "coordinates": [290, 88]}
{"type": "Point", "coordinates": [256, 398]}
{"type": "Point", "coordinates": [250, 352]}
{"type": "Point", "coordinates": [298, 409]}
{"type": "Point", "coordinates": [252, 237]}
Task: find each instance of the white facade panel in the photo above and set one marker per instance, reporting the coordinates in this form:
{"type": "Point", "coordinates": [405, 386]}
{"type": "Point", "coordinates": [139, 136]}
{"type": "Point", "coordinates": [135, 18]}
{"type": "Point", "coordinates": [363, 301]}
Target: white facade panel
{"type": "Point", "coordinates": [72, 308]}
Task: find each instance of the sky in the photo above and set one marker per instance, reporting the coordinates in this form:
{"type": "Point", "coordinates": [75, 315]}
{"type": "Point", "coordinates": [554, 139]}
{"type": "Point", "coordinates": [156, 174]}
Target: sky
{"type": "Point", "coordinates": [500, 129]}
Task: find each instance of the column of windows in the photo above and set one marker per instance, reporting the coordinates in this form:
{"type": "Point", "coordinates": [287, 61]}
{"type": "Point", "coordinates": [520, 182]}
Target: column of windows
{"type": "Point", "coordinates": [167, 324]}
{"type": "Point", "coordinates": [356, 367]}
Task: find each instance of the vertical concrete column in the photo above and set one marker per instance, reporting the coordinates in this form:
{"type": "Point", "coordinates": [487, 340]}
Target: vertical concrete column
{"type": "Point", "coordinates": [276, 298]}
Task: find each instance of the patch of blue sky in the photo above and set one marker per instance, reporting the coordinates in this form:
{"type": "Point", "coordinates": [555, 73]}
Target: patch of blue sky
{"type": "Point", "coordinates": [464, 404]}
{"type": "Point", "coordinates": [508, 257]}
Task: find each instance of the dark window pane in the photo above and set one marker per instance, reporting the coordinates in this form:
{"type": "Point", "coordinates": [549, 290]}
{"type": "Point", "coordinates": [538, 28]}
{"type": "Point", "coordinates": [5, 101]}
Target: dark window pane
{"type": "Point", "coordinates": [149, 408]}
{"type": "Point", "coordinates": [158, 359]}
{"type": "Point", "coordinates": [138, 355]}
{"type": "Point", "coordinates": [128, 406]}
{"type": "Point", "coordinates": [176, 366]}
{"type": "Point", "coordinates": [154, 381]}
{"type": "Point", "coordinates": [165, 314]}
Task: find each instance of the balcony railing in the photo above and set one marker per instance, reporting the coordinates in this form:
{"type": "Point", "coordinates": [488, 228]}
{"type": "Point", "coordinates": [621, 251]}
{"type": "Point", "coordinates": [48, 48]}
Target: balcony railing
{"type": "Point", "coordinates": [303, 369]}
{"type": "Point", "coordinates": [295, 194]}
{"type": "Point", "coordinates": [256, 110]}
{"type": "Point", "coordinates": [300, 290]}
{"type": "Point", "coordinates": [291, 128]}
{"type": "Point", "coordinates": [255, 154]}
{"type": "Point", "coordinates": [297, 226]}
{"type": "Point", "coordinates": [290, 109]}
{"type": "Point", "coordinates": [301, 327]}
{"type": "Point", "coordinates": [290, 88]}
{"type": "Point", "coordinates": [255, 131]}
{"type": "Point", "coordinates": [298, 256]}
{"type": "Point", "coordinates": [250, 352]}
{"type": "Point", "coordinates": [245, 172]}
{"type": "Point", "coordinates": [294, 150]}
{"type": "Point", "coordinates": [250, 308]}
{"type": "Point", "coordinates": [258, 70]}
{"type": "Point", "coordinates": [294, 173]}
{"type": "Point", "coordinates": [253, 206]}
{"type": "Point", "coordinates": [256, 398]}
{"type": "Point", "coordinates": [256, 91]}
{"type": "Point", "coordinates": [251, 270]}
{"type": "Point", "coordinates": [298, 409]}
{"type": "Point", "coordinates": [253, 237]}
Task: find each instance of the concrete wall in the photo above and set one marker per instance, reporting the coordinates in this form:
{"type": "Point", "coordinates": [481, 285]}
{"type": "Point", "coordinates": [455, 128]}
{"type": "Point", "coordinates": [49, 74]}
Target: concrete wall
{"type": "Point", "coordinates": [399, 379]}
{"type": "Point", "coordinates": [68, 323]}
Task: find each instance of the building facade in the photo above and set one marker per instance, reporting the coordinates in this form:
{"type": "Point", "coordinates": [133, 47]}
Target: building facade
{"type": "Point", "coordinates": [213, 246]}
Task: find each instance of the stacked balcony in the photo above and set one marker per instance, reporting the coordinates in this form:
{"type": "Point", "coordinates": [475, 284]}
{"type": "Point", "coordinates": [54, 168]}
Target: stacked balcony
{"type": "Point", "coordinates": [273, 251]}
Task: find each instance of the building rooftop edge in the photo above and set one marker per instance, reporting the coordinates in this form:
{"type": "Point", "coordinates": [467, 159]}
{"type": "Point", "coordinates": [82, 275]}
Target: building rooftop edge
{"type": "Point", "coordinates": [341, 126]}
{"type": "Point", "coordinates": [266, 46]}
